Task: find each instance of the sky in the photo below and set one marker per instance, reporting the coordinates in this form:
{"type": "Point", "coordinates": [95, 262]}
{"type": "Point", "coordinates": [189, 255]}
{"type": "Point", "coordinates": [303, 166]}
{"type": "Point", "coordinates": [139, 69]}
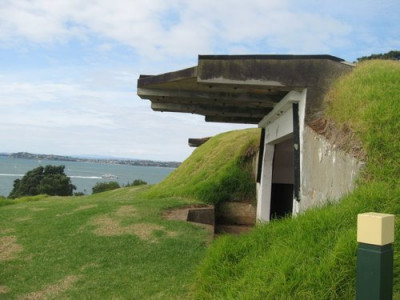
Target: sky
{"type": "Point", "coordinates": [69, 68]}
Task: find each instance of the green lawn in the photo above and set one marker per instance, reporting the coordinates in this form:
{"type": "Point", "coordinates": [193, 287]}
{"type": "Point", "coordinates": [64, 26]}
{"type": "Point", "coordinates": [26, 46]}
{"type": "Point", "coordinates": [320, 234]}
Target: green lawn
{"type": "Point", "coordinates": [112, 245]}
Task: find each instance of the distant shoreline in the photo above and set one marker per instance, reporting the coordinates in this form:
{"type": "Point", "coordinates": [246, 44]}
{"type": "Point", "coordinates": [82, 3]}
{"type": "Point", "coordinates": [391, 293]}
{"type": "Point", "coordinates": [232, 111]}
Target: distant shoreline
{"type": "Point", "coordinates": [132, 162]}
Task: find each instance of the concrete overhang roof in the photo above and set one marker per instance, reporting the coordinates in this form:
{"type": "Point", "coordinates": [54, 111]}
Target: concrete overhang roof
{"type": "Point", "coordinates": [241, 88]}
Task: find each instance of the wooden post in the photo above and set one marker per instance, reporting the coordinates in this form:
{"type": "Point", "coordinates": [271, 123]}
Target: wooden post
{"type": "Point", "coordinates": [375, 236]}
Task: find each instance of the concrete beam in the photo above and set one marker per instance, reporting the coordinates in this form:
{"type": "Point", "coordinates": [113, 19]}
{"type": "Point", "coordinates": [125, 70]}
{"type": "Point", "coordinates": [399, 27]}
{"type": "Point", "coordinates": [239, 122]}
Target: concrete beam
{"type": "Point", "coordinates": [193, 142]}
{"type": "Point", "coordinates": [208, 110]}
{"type": "Point", "coordinates": [237, 120]}
{"type": "Point", "coordinates": [151, 81]}
{"type": "Point", "coordinates": [283, 106]}
{"type": "Point", "coordinates": [217, 103]}
{"type": "Point", "coordinates": [261, 98]}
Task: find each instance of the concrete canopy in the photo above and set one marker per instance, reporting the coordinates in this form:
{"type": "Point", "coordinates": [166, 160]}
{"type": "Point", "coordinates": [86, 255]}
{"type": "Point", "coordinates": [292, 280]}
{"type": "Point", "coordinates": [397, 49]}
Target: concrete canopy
{"type": "Point", "coordinates": [241, 88]}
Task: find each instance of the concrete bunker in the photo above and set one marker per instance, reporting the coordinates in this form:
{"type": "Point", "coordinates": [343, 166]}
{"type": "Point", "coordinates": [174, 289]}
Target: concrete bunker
{"type": "Point", "coordinates": [282, 94]}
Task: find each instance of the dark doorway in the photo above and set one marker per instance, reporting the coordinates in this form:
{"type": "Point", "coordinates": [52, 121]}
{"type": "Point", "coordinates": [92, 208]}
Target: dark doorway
{"type": "Point", "coordinates": [282, 180]}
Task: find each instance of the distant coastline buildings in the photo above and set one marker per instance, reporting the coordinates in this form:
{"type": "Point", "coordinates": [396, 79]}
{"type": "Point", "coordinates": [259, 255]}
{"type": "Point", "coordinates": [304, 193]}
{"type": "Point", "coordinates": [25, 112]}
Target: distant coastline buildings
{"type": "Point", "coordinates": [133, 162]}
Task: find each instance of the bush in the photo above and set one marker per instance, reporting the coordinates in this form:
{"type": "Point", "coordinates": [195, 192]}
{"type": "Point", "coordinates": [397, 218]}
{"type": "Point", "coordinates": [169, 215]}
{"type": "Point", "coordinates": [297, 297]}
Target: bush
{"type": "Point", "coordinates": [137, 182]}
{"type": "Point", "coordinates": [105, 186]}
{"type": "Point", "coordinates": [391, 55]}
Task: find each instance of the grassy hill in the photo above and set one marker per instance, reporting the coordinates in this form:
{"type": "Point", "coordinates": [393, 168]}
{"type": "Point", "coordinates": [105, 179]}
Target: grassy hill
{"type": "Point", "coordinates": [313, 256]}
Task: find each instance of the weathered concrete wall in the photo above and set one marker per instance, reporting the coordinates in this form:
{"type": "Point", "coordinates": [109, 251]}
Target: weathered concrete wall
{"type": "Point", "coordinates": [294, 73]}
{"type": "Point", "coordinates": [327, 172]}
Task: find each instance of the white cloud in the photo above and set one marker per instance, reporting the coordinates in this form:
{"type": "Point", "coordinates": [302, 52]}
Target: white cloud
{"type": "Point", "coordinates": [157, 28]}
{"type": "Point", "coordinates": [25, 93]}
{"type": "Point", "coordinates": [58, 105]}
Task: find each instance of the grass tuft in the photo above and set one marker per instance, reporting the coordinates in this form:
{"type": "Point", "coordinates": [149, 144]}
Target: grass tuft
{"type": "Point", "coordinates": [7, 201]}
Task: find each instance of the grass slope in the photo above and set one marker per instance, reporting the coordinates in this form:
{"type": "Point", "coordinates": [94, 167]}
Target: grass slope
{"type": "Point", "coordinates": [112, 245]}
{"type": "Point", "coordinates": [313, 256]}
{"type": "Point", "coordinates": [219, 170]}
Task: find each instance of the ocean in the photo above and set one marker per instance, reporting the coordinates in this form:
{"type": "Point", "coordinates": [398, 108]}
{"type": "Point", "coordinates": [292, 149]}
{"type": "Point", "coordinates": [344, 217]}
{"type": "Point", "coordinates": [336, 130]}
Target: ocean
{"type": "Point", "coordinates": [84, 175]}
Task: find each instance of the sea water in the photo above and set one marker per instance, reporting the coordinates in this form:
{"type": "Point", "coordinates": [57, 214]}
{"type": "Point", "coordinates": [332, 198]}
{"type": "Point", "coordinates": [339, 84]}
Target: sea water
{"type": "Point", "coordinates": [84, 175]}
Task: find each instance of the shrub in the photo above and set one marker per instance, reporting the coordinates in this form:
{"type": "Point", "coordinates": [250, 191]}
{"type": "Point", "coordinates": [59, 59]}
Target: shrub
{"type": "Point", "coordinates": [138, 182]}
{"type": "Point", "coordinates": [105, 186]}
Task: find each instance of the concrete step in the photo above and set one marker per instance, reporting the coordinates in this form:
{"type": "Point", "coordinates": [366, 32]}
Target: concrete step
{"type": "Point", "coordinates": [232, 229]}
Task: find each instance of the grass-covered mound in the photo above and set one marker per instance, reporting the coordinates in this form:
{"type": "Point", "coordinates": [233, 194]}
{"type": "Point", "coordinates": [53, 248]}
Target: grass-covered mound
{"type": "Point", "coordinates": [367, 102]}
{"type": "Point", "coordinates": [313, 256]}
{"type": "Point", "coordinates": [219, 170]}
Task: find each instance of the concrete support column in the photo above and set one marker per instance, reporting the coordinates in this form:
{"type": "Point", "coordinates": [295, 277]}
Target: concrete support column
{"type": "Point", "coordinates": [264, 194]}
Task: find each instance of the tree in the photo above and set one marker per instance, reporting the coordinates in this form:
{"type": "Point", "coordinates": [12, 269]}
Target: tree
{"type": "Point", "coordinates": [50, 180]}
{"type": "Point", "coordinates": [392, 55]}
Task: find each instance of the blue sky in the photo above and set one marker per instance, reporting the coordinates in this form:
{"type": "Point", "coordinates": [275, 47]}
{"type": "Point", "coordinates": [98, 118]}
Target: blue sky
{"type": "Point", "coordinates": [68, 68]}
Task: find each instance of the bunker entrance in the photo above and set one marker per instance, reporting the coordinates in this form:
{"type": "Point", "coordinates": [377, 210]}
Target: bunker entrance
{"type": "Point", "coordinates": [282, 179]}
